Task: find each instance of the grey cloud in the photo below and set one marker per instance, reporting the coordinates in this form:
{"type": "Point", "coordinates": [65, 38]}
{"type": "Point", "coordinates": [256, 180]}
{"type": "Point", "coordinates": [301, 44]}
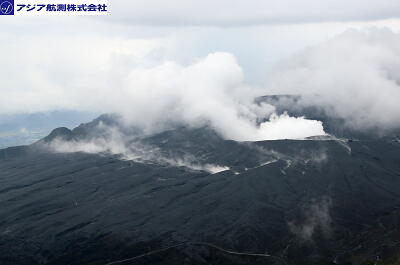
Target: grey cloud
{"type": "Point", "coordinates": [124, 76]}
{"type": "Point", "coordinates": [252, 12]}
{"type": "Point", "coordinates": [354, 76]}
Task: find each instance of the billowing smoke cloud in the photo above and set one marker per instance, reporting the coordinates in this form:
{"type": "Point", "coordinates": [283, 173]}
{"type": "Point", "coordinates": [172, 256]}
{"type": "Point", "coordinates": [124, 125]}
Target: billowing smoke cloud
{"type": "Point", "coordinates": [355, 76]}
{"type": "Point", "coordinates": [209, 92]}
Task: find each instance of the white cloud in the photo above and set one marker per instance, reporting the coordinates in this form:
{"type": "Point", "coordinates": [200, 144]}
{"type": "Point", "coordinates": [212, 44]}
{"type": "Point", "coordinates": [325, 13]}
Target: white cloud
{"type": "Point", "coordinates": [354, 76]}
{"type": "Point", "coordinates": [131, 77]}
{"type": "Point", "coordinates": [164, 73]}
{"type": "Point", "coordinates": [210, 91]}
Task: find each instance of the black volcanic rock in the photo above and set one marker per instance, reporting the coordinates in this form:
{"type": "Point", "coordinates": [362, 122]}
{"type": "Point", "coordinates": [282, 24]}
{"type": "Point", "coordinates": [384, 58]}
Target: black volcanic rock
{"type": "Point", "coordinates": [61, 133]}
{"type": "Point", "coordinates": [315, 201]}
{"type": "Point", "coordinates": [97, 127]}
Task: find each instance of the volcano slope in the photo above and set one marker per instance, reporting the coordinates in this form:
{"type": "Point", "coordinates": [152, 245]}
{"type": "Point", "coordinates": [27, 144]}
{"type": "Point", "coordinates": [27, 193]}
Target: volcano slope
{"type": "Point", "coordinates": [313, 201]}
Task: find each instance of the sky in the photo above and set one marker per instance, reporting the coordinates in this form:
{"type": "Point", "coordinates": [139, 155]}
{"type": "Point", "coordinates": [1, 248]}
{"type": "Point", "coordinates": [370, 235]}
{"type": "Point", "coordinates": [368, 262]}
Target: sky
{"type": "Point", "coordinates": [187, 60]}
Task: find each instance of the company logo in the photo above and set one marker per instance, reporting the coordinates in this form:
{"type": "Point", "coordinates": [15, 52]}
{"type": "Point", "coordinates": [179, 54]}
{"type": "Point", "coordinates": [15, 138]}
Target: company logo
{"type": "Point", "coordinates": [53, 7]}
{"type": "Point", "coordinates": [6, 7]}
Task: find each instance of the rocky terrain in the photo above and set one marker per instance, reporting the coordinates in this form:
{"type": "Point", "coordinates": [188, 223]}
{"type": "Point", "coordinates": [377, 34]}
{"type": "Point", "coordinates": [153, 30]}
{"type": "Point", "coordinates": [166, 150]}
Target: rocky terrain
{"type": "Point", "coordinates": [322, 200]}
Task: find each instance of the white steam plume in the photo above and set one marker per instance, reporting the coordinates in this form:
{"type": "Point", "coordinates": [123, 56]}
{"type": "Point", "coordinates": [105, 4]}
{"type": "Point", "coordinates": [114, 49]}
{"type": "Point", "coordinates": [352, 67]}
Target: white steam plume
{"type": "Point", "coordinates": [211, 91]}
{"type": "Point", "coordinates": [116, 143]}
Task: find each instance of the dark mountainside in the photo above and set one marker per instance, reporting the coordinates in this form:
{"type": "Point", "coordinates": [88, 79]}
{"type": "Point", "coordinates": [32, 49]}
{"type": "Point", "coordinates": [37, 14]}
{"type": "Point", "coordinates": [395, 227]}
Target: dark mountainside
{"type": "Point", "coordinates": [315, 201]}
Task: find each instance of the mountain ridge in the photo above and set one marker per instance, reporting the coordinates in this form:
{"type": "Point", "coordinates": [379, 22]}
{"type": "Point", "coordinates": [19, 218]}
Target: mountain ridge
{"type": "Point", "coordinates": [312, 201]}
